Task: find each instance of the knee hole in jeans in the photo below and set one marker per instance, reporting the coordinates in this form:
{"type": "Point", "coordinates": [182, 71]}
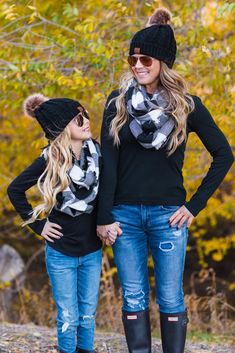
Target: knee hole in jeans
{"type": "Point", "coordinates": [87, 320]}
{"type": "Point", "coordinates": [136, 300]}
{"type": "Point", "coordinates": [67, 320]}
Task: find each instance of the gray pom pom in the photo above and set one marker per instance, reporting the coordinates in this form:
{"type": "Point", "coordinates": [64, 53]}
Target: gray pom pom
{"type": "Point", "coordinates": [32, 103]}
{"type": "Point", "coordinates": [161, 16]}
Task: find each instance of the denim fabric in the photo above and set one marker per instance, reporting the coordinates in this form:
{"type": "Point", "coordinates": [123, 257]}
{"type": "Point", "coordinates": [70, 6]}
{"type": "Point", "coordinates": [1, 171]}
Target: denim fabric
{"type": "Point", "coordinates": [75, 286]}
{"type": "Point", "coordinates": [147, 228]}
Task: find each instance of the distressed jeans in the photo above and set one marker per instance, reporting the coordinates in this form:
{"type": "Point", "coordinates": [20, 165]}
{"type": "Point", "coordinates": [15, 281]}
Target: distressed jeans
{"type": "Point", "coordinates": [75, 287]}
{"type": "Point", "coordinates": [147, 228]}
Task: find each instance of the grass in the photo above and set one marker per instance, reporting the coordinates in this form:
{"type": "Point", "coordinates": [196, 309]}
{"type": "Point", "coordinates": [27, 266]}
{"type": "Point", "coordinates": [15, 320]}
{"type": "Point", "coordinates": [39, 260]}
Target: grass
{"type": "Point", "coordinates": [202, 336]}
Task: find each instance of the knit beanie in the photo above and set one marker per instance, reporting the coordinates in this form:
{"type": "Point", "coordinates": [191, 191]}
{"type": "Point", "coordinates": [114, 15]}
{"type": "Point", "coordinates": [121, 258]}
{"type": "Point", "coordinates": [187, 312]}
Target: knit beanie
{"type": "Point", "coordinates": [156, 39]}
{"type": "Point", "coordinates": [52, 114]}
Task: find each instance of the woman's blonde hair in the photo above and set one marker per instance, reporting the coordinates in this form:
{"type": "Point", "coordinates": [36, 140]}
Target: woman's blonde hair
{"type": "Point", "coordinates": [55, 177]}
{"type": "Point", "coordinates": [180, 104]}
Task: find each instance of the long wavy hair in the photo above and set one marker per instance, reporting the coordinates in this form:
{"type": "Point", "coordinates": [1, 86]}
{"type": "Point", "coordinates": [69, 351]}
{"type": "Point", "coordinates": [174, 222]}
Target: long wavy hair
{"type": "Point", "coordinates": [55, 177]}
{"type": "Point", "coordinates": [180, 104]}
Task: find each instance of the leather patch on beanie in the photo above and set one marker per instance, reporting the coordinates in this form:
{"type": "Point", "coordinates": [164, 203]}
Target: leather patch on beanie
{"type": "Point", "coordinates": [137, 50]}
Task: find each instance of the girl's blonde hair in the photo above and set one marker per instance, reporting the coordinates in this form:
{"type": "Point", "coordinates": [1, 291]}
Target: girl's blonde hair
{"type": "Point", "coordinates": [55, 177]}
{"type": "Point", "coordinates": [180, 104]}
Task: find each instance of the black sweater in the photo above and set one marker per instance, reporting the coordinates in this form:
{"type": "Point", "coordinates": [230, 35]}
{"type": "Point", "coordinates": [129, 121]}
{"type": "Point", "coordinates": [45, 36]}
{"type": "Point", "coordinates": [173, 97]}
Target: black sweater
{"type": "Point", "coordinates": [132, 174]}
{"type": "Point", "coordinates": [79, 233]}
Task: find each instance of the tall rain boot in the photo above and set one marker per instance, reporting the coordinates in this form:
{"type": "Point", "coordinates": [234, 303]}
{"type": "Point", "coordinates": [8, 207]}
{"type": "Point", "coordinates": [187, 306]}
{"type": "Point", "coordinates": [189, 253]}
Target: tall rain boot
{"type": "Point", "coordinates": [173, 331]}
{"type": "Point", "coordinates": [137, 330]}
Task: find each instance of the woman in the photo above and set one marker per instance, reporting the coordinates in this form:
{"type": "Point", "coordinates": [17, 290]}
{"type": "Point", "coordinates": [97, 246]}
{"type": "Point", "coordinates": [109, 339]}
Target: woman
{"type": "Point", "coordinates": [142, 198]}
{"type": "Point", "coordinates": [67, 175]}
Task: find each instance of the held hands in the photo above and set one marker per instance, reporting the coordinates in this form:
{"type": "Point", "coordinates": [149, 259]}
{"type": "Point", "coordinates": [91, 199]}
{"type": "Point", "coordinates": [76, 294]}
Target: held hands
{"type": "Point", "coordinates": [182, 215]}
{"type": "Point", "coordinates": [109, 233]}
{"type": "Point", "coordinates": [50, 230]}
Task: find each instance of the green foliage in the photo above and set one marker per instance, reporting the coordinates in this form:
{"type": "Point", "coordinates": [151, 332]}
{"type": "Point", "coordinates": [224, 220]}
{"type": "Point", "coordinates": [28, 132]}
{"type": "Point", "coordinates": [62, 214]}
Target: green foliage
{"type": "Point", "coordinates": [78, 49]}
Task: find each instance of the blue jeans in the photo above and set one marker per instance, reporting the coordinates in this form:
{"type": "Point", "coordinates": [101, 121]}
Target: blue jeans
{"type": "Point", "coordinates": [75, 287]}
{"type": "Point", "coordinates": [147, 227]}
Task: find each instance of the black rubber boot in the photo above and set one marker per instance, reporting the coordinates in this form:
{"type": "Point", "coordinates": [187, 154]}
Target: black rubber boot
{"type": "Point", "coordinates": [137, 331]}
{"type": "Point", "coordinates": [173, 331]}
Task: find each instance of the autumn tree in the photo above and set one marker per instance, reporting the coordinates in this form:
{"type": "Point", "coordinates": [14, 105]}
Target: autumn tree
{"type": "Point", "coordinates": [78, 49]}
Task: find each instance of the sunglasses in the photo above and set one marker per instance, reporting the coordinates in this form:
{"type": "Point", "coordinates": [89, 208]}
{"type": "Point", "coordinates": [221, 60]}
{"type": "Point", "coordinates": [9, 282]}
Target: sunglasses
{"type": "Point", "coordinates": [80, 118]}
{"type": "Point", "coordinates": [145, 60]}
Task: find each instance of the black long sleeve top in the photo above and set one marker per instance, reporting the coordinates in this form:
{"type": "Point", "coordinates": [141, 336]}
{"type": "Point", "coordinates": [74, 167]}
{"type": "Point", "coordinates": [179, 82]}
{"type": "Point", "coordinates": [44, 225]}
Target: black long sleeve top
{"type": "Point", "coordinates": [79, 233]}
{"type": "Point", "coordinates": [132, 174]}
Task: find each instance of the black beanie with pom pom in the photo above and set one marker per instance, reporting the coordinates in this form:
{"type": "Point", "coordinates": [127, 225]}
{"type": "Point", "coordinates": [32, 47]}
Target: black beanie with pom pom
{"type": "Point", "coordinates": [52, 114]}
{"type": "Point", "coordinates": [157, 39]}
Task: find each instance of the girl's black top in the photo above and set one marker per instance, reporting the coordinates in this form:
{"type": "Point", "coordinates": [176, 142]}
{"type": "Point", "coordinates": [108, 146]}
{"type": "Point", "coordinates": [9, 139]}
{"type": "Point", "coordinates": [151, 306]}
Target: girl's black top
{"type": "Point", "coordinates": [132, 174]}
{"type": "Point", "coordinates": [79, 233]}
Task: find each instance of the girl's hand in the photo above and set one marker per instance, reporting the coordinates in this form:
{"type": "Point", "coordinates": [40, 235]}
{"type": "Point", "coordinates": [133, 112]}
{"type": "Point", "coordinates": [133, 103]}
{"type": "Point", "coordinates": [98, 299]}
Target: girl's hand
{"type": "Point", "coordinates": [50, 231]}
{"type": "Point", "coordinates": [181, 215]}
{"type": "Point", "coordinates": [109, 233]}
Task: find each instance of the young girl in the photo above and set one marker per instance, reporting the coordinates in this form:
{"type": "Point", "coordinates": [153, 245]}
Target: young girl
{"type": "Point", "coordinates": [67, 175]}
{"type": "Point", "coordinates": [144, 134]}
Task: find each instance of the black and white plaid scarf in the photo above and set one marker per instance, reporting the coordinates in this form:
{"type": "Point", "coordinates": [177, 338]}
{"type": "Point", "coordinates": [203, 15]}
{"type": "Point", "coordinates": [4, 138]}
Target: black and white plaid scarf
{"type": "Point", "coordinates": [149, 124]}
{"type": "Point", "coordinates": [84, 176]}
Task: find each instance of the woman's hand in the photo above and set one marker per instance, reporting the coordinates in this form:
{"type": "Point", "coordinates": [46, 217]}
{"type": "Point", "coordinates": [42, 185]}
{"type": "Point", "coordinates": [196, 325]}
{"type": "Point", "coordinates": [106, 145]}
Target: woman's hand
{"type": "Point", "coordinates": [182, 215]}
{"type": "Point", "coordinates": [50, 231]}
{"type": "Point", "coordinates": [109, 233]}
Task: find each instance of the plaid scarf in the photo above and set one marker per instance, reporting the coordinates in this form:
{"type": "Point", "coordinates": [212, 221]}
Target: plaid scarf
{"type": "Point", "coordinates": [84, 176]}
{"type": "Point", "coordinates": [149, 124]}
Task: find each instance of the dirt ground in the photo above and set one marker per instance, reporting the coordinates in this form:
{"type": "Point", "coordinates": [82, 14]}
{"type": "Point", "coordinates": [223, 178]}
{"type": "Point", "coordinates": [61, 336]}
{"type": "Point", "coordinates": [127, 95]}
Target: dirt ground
{"type": "Point", "coordinates": [35, 339]}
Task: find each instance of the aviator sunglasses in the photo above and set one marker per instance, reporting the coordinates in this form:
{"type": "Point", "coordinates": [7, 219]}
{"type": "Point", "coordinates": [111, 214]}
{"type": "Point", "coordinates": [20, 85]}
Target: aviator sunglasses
{"type": "Point", "coordinates": [145, 60]}
{"type": "Point", "coordinates": [80, 118]}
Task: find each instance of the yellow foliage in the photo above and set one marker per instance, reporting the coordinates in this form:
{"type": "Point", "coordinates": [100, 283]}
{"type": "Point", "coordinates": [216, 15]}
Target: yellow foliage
{"type": "Point", "coordinates": [79, 50]}
{"type": "Point", "coordinates": [217, 256]}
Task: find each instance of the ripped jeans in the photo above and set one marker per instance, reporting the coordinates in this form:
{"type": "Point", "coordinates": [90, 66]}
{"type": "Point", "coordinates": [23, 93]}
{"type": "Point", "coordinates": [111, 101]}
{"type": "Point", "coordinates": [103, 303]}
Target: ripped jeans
{"type": "Point", "coordinates": [147, 228]}
{"type": "Point", "coordinates": [75, 287]}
